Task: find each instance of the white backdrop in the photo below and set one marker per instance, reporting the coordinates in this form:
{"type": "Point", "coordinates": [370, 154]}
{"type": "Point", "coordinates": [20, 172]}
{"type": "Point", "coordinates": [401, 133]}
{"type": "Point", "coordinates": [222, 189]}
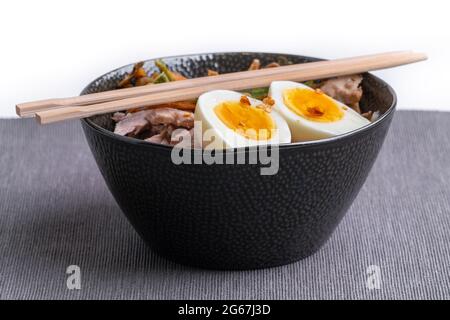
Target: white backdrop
{"type": "Point", "coordinates": [54, 48]}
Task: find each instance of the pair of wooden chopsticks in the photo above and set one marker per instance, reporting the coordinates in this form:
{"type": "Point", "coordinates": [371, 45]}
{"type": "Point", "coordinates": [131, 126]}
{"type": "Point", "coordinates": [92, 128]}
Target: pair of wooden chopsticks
{"type": "Point", "coordinates": [53, 110]}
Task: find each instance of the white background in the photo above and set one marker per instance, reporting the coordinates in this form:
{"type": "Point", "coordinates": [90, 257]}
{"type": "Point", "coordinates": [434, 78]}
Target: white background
{"type": "Point", "coordinates": [54, 48]}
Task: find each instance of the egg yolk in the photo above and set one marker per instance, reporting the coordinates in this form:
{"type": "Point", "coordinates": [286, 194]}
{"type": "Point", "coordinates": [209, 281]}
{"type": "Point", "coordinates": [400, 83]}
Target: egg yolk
{"type": "Point", "coordinates": [250, 122]}
{"type": "Point", "coordinates": [312, 105]}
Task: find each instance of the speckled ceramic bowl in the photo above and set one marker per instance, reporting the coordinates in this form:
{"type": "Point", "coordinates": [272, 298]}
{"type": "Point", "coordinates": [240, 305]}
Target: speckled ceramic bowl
{"type": "Point", "coordinates": [229, 216]}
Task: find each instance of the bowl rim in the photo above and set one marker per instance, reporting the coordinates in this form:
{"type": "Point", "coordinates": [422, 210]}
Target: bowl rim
{"type": "Point", "coordinates": [302, 144]}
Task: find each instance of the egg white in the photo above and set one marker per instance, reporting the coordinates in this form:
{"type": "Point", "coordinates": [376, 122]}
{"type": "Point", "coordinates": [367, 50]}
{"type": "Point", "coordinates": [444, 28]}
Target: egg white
{"type": "Point", "coordinates": [224, 137]}
{"type": "Point", "coordinates": [303, 129]}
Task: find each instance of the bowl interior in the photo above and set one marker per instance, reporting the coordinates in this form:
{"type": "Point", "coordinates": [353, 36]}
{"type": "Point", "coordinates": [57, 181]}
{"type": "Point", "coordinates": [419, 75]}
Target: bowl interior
{"type": "Point", "coordinates": [377, 96]}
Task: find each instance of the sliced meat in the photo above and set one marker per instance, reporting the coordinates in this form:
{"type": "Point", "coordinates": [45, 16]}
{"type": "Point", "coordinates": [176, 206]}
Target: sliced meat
{"type": "Point", "coordinates": [157, 138]}
{"type": "Point", "coordinates": [168, 116]}
{"type": "Point", "coordinates": [163, 136]}
{"type": "Point", "coordinates": [133, 124]}
{"type": "Point", "coordinates": [368, 115]}
{"type": "Point", "coordinates": [157, 129]}
{"type": "Point", "coordinates": [118, 116]}
{"type": "Point", "coordinates": [345, 89]}
{"type": "Point", "coordinates": [154, 119]}
{"type": "Point", "coordinates": [182, 136]}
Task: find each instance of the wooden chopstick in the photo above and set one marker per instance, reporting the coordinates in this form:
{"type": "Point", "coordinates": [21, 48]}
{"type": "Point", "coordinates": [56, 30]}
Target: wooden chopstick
{"type": "Point", "coordinates": [52, 110]}
{"type": "Point", "coordinates": [30, 108]}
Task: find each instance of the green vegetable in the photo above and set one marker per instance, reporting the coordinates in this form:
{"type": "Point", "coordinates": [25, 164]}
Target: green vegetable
{"type": "Point", "coordinates": [164, 69]}
{"type": "Point", "coordinates": [258, 93]}
{"type": "Point", "coordinates": [161, 78]}
{"type": "Point", "coordinates": [309, 83]}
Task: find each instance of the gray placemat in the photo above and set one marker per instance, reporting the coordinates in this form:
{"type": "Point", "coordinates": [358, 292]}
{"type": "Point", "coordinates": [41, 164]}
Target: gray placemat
{"type": "Point", "coordinates": [56, 211]}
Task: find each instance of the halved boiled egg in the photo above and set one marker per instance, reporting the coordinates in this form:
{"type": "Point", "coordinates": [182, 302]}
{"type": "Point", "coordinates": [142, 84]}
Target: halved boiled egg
{"type": "Point", "coordinates": [311, 114]}
{"type": "Point", "coordinates": [231, 120]}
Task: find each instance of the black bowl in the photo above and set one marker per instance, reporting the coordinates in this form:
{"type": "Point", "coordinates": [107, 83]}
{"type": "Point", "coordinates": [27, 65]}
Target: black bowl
{"type": "Point", "coordinates": [229, 216]}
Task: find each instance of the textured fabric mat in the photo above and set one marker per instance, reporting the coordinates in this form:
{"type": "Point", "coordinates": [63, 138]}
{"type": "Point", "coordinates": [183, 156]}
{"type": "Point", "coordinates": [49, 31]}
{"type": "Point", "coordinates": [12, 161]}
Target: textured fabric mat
{"type": "Point", "coordinates": [56, 211]}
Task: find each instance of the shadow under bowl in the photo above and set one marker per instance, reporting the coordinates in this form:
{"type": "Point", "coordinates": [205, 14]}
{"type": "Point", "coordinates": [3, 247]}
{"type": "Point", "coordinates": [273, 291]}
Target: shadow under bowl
{"type": "Point", "coordinates": [230, 216]}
